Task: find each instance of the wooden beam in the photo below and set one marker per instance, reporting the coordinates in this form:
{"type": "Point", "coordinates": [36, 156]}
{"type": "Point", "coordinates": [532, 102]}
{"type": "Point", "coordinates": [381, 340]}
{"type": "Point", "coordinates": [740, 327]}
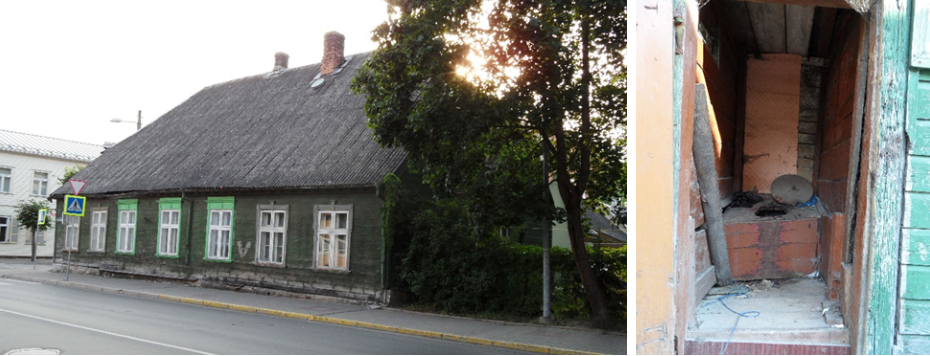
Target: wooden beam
{"type": "Point", "coordinates": [838, 4]}
{"type": "Point", "coordinates": [742, 26]}
{"type": "Point", "coordinates": [825, 32]}
{"type": "Point", "coordinates": [768, 24]}
{"type": "Point", "coordinates": [703, 148]}
{"type": "Point", "coordinates": [886, 167]}
{"type": "Point", "coordinates": [798, 23]}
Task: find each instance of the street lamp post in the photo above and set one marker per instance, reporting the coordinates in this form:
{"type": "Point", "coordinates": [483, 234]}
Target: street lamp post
{"type": "Point", "coordinates": [138, 121]}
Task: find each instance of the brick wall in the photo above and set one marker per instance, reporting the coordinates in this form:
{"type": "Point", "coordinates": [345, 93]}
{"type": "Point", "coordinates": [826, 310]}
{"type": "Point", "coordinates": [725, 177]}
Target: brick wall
{"type": "Point", "coordinates": [839, 89]}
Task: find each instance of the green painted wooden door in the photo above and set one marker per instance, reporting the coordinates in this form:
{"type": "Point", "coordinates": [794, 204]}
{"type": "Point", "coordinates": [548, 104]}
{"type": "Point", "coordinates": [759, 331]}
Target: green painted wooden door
{"type": "Point", "coordinates": [913, 322]}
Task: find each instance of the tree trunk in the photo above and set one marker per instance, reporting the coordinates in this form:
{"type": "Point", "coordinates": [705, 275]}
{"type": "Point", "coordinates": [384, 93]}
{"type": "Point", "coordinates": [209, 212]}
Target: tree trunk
{"type": "Point", "coordinates": [600, 318]}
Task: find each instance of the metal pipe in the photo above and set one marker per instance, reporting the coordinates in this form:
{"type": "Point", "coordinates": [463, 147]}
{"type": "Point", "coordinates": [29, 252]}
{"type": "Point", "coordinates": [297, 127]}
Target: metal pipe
{"type": "Point", "coordinates": [547, 244]}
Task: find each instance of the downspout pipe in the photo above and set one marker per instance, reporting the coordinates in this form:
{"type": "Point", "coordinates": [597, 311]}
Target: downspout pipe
{"type": "Point", "coordinates": [385, 275]}
{"type": "Point", "coordinates": [190, 223]}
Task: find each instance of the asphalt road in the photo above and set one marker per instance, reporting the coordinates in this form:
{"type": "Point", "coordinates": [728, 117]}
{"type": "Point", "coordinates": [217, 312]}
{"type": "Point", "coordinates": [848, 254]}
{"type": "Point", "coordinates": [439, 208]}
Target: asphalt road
{"type": "Point", "coordinates": [74, 321]}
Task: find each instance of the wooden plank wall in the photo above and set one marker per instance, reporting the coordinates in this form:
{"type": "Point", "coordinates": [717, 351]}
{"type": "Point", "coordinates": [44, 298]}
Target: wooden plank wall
{"type": "Point", "coordinates": [914, 291]}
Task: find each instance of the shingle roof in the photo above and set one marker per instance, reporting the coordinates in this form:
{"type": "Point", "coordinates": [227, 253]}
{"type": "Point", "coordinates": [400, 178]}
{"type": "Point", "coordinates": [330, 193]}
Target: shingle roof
{"type": "Point", "coordinates": [268, 131]}
{"type": "Point", "coordinates": [600, 223]}
{"type": "Point", "coordinates": [48, 147]}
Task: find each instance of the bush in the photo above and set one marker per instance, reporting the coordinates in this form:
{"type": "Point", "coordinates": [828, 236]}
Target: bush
{"type": "Point", "coordinates": [448, 267]}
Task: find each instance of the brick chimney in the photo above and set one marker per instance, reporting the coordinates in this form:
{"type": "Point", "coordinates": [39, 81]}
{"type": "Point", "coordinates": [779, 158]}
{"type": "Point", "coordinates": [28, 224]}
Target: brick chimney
{"type": "Point", "coordinates": [280, 61]}
{"type": "Point", "coordinates": [333, 51]}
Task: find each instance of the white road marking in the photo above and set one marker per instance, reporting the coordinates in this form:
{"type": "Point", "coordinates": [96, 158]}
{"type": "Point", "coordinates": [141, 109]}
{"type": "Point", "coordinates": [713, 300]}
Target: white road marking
{"type": "Point", "coordinates": [107, 332]}
{"type": "Point", "coordinates": [15, 282]}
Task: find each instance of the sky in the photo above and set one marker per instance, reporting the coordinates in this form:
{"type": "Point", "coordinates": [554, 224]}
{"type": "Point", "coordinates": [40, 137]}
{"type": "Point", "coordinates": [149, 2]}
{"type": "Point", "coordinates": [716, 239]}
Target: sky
{"type": "Point", "coordinates": [68, 67]}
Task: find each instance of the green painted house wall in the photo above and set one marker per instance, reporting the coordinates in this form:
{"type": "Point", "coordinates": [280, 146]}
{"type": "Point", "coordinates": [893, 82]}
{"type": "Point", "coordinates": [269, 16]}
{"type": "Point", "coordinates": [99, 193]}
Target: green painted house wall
{"type": "Point", "coordinates": [913, 307]}
{"type": "Point", "coordinates": [363, 280]}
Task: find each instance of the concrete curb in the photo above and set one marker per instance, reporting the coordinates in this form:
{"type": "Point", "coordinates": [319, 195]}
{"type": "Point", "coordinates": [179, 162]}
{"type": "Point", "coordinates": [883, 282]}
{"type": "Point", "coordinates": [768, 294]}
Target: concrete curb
{"type": "Point", "coordinates": [310, 317]}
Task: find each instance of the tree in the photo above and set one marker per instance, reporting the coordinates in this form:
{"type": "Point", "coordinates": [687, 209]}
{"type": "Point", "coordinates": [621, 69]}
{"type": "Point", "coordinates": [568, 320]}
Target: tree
{"type": "Point", "coordinates": [69, 172]}
{"type": "Point", "coordinates": [27, 214]}
{"type": "Point", "coordinates": [554, 79]}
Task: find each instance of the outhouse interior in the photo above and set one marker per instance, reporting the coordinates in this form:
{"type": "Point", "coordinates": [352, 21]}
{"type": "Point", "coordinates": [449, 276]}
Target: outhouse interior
{"type": "Point", "coordinates": [785, 86]}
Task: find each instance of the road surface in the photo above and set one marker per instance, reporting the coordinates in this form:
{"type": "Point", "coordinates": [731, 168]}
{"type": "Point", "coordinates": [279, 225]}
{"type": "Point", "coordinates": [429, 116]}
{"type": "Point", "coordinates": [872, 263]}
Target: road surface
{"type": "Point", "coordinates": [74, 321]}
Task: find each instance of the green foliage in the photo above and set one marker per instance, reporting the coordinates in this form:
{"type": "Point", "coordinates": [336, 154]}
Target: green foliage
{"type": "Point", "coordinates": [69, 172]}
{"type": "Point", "coordinates": [27, 214]}
{"type": "Point", "coordinates": [554, 82]}
{"type": "Point", "coordinates": [452, 266]}
{"type": "Point", "coordinates": [609, 265]}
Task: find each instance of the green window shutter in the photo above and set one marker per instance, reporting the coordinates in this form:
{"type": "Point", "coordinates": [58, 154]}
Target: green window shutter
{"type": "Point", "coordinates": [920, 35]}
{"type": "Point", "coordinates": [221, 203]}
{"type": "Point", "coordinates": [128, 204]}
{"type": "Point", "coordinates": [169, 204]}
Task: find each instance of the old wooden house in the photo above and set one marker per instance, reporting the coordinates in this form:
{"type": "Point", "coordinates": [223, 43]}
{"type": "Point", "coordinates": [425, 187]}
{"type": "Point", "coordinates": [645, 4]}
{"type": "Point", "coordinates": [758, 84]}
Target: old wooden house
{"type": "Point", "coordinates": [271, 181]}
{"type": "Point", "coordinates": [733, 95]}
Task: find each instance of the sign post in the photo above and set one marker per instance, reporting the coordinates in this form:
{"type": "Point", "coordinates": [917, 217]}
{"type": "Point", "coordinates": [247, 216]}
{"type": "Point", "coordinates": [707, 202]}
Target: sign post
{"type": "Point", "coordinates": [43, 214]}
{"type": "Point", "coordinates": [74, 206]}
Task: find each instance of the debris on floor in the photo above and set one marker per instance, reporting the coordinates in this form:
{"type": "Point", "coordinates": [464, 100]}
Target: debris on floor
{"type": "Point", "coordinates": [744, 200]}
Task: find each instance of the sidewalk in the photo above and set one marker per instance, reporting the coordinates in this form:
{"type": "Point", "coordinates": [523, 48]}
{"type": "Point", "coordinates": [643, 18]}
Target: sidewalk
{"type": "Point", "coordinates": [531, 337]}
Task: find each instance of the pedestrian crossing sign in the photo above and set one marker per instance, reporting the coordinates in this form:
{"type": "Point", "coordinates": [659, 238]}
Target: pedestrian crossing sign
{"type": "Point", "coordinates": [74, 205]}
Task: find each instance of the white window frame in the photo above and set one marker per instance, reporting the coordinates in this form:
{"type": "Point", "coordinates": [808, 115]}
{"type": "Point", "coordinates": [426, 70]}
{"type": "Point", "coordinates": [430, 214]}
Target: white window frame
{"type": "Point", "coordinates": [277, 213]}
{"type": "Point", "coordinates": [5, 228]}
{"type": "Point", "coordinates": [168, 245]}
{"type": "Point", "coordinates": [6, 180]}
{"type": "Point", "coordinates": [216, 243]}
{"type": "Point", "coordinates": [326, 254]}
{"type": "Point", "coordinates": [125, 241]}
{"type": "Point", "coordinates": [98, 231]}
{"type": "Point", "coordinates": [40, 185]}
{"type": "Point", "coordinates": [72, 232]}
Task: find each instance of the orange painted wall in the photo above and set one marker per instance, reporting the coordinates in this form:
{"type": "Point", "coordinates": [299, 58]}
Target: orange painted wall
{"type": "Point", "coordinates": [655, 268]}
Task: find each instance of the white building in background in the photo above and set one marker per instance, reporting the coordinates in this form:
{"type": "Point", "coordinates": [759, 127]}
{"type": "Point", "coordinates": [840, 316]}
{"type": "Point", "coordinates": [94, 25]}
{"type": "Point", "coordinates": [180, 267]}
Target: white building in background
{"type": "Point", "coordinates": [30, 168]}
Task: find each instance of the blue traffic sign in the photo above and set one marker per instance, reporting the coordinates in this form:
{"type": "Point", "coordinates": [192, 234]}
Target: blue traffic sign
{"type": "Point", "coordinates": [74, 205]}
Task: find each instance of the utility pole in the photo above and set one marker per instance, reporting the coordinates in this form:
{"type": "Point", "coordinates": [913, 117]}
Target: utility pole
{"type": "Point", "coordinates": [139, 122]}
{"type": "Point", "coordinates": [547, 244]}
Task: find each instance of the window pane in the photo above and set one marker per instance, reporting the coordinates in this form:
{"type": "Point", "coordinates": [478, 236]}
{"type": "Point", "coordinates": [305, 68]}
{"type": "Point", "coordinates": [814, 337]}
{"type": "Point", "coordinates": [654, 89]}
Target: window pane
{"type": "Point", "coordinates": [5, 171]}
{"type": "Point", "coordinates": [279, 219]}
{"type": "Point", "coordinates": [266, 219]}
{"type": "Point", "coordinates": [173, 241]}
{"type": "Point", "coordinates": [326, 220]}
{"type": "Point", "coordinates": [323, 251]}
{"type": "Point", "coordinates": [341, 252]}
{"type": "Point", "coordinates": [165, 217]}
{"type": "Point", "coordinates": [132, 217]}
{"type": "Point", "coordinates": [224, 247]}
{"type": "Point", "coordinates": [279, 248]}
{"type": "Point", "coordinates": [214, 218]}
{"type": "Point", "coordinates": [265, 244]}
{"type": "Point", "coordinates": [174, 217]}
{"type": "Point", "coordinates": [227, 217]}
{"type": "Point", "coordinates": [342, 220]}
{"type": "Point", "coordinates": [35, 187]}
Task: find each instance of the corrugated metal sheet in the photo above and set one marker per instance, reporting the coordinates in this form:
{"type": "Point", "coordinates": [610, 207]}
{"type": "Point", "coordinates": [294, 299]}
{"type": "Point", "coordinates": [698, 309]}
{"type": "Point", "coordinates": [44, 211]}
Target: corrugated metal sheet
{"type": "Point", "coordinates": [269, 131]}
{"type": "Point", "coordinates": [47, 146]}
